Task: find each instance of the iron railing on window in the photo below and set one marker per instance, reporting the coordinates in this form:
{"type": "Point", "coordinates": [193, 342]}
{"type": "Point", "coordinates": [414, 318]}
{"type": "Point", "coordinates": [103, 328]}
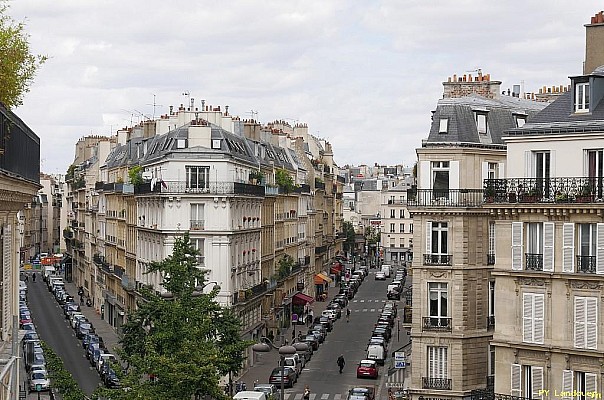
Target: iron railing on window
{"type": "Point", "coordinates": [197, 224]}
{"type": "Point", "coordinates": [436, 383]}
{"type": "Point", "coordinates": [438, 259]}
{"type": "Point", "coordinates": [490, 321]}
{"type": "Point", "coordinates": [445, 197]}
{"type": "Point", "coordinates": [440, 324]}
{"type": "Point", "coordinates": [490, 259]}
{"type": "Point", "coordinates": [19, 147]}
{"type": "Point", "coordinates": [534, 262]}
{"type": "Point", "coordinates": [220, 188]}
{"type": "Point", "coordinates": [544, 190]}
{"type": "Point", "coordinates": [586, 264]}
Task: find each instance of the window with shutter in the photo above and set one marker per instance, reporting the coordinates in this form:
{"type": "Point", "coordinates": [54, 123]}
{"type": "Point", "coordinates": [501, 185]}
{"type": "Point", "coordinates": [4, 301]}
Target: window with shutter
{"type": "Point", "coordinates": [600, 249]}
{"type": "Point", "coordinates": [591, 323]}
{"type": "Point", "coordinates": [568, 247]}
{"type": "Point", "coordinates": [538, 318]}
{"type": "Point", "coordinates": [517, 246]}
{"type": "Point", "coordinates": [579, 322]}
{"type": "Point", "coordinates": [516, 380]}
{"type": "Point", "coordinates": [537, 382]}
{"type": "Point", "coordinates": [533, 310]}
{"type": "Point", "coordinates": [428, 237]}
{"type": "Point", "coordinates": [548, 246]}
{"type": "Point", "coordinates": [567, 384]}
{"type": "Point", "coordinates": [591, 383]}
{"type": "Point", "coordinates": [437, 362]}
{"type": "Point", "coordinates": [527, 318]}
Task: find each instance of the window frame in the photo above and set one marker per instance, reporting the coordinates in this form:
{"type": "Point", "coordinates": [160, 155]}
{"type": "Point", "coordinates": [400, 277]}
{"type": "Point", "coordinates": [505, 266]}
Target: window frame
{"type": "Point", "coordinates": [582, 97]}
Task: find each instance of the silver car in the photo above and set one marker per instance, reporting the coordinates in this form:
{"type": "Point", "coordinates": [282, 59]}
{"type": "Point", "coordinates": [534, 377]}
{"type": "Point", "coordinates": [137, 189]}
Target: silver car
{"type": "Point", "coordinates": [38, 381]}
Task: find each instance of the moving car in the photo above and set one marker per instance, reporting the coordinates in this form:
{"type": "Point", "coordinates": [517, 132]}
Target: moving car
{"type": "Point", "coordinates": [269, 390]}
{"type": "Point", "coordinates": [362, 392]}
{"type": "Point", "coordinates": [289, 378]}
{"type": "Point", "coordinates": [380, 276]}
{"type": "Point", "coordinates": [367, 369]}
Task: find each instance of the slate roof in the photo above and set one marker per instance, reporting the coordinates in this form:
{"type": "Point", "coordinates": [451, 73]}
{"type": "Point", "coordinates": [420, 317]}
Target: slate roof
{"type": "Point", "coordinates": [461, 120]}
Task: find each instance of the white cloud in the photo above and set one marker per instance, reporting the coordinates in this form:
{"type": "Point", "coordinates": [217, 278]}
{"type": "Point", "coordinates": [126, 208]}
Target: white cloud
{"type": "Point", "coordinates": [365, 75]}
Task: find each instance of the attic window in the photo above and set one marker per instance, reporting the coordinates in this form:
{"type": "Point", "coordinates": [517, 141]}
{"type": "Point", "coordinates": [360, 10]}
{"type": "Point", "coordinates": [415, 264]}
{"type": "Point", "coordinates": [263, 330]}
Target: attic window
{"type": "Point", "coordinates": [481, 122]}
{"type": "Point", "coordinates": [444, 125]}
{"type": "Point", "coordinates": [582, 97]}
{"type": "Point", "coordinates": [181, 143]}
{"type": "Point", "coordinates": [520, 120]}
{"type": "Point", "coordinates": [216, 144]}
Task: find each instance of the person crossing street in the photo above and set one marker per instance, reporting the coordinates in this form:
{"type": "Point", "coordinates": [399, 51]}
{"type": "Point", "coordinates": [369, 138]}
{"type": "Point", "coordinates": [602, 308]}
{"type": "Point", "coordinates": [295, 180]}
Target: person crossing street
{"type": "Point", "coordinates": [341, 362]}
{"type": "Point", "coordinates": [347, 314]}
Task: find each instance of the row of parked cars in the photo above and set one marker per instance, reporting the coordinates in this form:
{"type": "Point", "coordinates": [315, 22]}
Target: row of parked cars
{"type": "Point", "coordinates": [96, 352]}
{"type": "Point", "coordinates": [33, 354]}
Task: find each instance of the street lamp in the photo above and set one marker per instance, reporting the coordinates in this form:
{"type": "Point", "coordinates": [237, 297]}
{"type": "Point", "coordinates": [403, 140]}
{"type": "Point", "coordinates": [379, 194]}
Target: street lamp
{"type": "Point", "coordinates": [266, 345]}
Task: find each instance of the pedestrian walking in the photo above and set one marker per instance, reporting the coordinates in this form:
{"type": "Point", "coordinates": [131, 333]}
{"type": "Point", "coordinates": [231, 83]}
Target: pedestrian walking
{"type": "Point", "coordinates": [347, 314]}
{"type": "Point", "coordinates": [341, 362]}
{"type": "Point", "coordinates": [34, 277]}
{"type": "Point", "coordinates": [306, 395]}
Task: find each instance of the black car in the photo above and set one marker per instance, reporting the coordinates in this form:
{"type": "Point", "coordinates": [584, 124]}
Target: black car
{"type": "Point", "coordinates": [109, 376]}
{"type": "Point", "coordinates": [288, 379]}
{"type": "Point", "coordinates": [393, 295]}
{"type": "Point", "coordinates": [327, 323]}
{"type": "Point", "coordinates": [83, 329]}
{"type": "Point", "coordinates": [382, 332]}
{"type": "Point", "coordinates": [341, 299]}
{"type": "Point", "coordinates": [311, 341]}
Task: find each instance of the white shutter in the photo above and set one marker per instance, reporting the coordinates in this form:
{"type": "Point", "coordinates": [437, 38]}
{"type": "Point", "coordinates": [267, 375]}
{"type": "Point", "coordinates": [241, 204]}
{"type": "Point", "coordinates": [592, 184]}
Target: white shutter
{"type": "Point", "coordinates": [537, 382]}
{"type": "Point", "coordinates": [591, 383]}
{"type": "Point", "coordinates": [567, 383]}
{"type": "Point", "coordinates": [528, 164]}
{"type": "Point", "coordinates": [428, 237]}
{"type": "Point", "coordinates": [591, 322]}
{"type": "Point", "coordinates": [527, 317]}
{"type": "Point", "coordinates": [443, 363]}
{"type": "Point", "coordinates": [501, 171]}
{"type": "Point", "coordinates": [432, 356]}
{"type": "Point", "coordinates": [516, 389]}
{"type": "Point", "coordinates": [579, 324]}
{"type": "Point", "coordinates": [568, 247]}
{"type": "Point", "coordinates": [485, 172]}
{"type": "Point", "coordinates": [600, 249]}
{"type": "Point", "coordinates": [517, 246]}
{"type": "Point", "coordinates": [425, 179]}
{"type": "Point", "coordinates": [454, 175]}
{"type": "Point", "coordinates": [538, 318]}
{"type": "Point", "coordinates": [548, 246]}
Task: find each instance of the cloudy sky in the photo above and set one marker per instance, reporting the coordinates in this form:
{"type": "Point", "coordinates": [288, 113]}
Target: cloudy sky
{"type": "Point", "coordinates": [364, 74]}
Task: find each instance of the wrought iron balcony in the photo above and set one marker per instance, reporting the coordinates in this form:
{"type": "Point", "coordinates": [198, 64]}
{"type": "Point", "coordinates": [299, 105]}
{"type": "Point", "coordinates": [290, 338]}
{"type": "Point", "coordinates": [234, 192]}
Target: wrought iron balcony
{"type": "Point", "coordinates": [586, 264]}
{"type": "Point", "coordinates": [489, 394]}
{"type": "Point", "coordinates": [490, 321]}
{"type": "Point", "coordinates": [543, 190]}
{"type": "Point", "coordinates": [490, 259]}
{"type": "Point", "coordinates": [445, 197]}
{"type": "Point", "coordinates": [118, 271]}
{"type": "Point", "coordinates": [19, 147]}
{"type": "Point", "coordinates": [197, 225]}
{"type": "Point", "coordinates": [219, 188]}
{"type": "Point", "coordinates": [436, 383]}
{"type": "Point", "coordinates": [534, 262]}
{"type": "Point", "coordinates": [439, 324]}
{"type": "Point", "coordinates": [438, 259]}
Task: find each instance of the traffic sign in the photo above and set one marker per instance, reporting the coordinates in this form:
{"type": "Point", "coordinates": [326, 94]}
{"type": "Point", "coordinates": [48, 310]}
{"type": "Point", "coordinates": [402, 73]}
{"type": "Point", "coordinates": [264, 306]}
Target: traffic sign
{"type": "Point", "coordinates": [399, 359]}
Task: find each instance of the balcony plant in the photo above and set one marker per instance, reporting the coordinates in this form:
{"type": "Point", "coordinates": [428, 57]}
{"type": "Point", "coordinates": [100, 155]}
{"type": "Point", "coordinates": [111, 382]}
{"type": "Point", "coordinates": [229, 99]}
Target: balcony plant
{"type": "Point", "coordinates": [532, 196]}
{"type": "Point", "coordinates": [562, 197]}
{"type": "Point", "coordinates": [284, 180]}
{"type": "Point", "coordinates": [256, 177]}
{"type": "Point", "coordinates": [585, 194]}
{"type": "Point", "coordinates": [489, 193]}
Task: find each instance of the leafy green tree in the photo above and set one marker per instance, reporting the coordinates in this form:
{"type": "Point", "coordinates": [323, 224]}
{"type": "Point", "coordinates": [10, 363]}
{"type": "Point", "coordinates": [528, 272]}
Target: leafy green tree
{"type": "Point", "coordinates": [135, 174]}
{"type": "Point", "coordinates": [180, 346]}
{"type": "Point", "coordinates": [284, 180]}
{"type": "Point", "coordinates": [349, 233]}
{"type": "Point", "coordinates": [17, 65]}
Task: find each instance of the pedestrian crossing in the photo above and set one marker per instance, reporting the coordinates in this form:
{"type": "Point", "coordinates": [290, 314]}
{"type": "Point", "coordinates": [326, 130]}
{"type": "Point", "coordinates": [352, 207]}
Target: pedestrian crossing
{"type": "Point", "coordinates": [315, 396]}
{"type": "Point", "coordinates": [368, 303]}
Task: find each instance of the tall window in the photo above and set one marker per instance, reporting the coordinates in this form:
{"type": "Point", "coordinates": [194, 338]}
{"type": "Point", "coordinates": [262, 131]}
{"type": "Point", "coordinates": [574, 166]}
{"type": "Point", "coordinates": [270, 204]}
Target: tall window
{"type": "Point", "coordinates": [491, 253]}
{"type": "Point", "coordinates": [197, 216]}
{"type": "Point", "coordinates": [402, 228]}
{"type": "Point", "coordinates": [439, 238]}
{"type": "Point", "coordinates": [491, 360]}
{"type": "Point", "coordinates": [587, 239]}
{"type": "Point", "coordinates": [443, 125]}
{"type": "Point", "coordinates": [199, 245]}
{"type": "Point", "coordinates": [534, 238]}
{"type": "Point", "coordinates": [595, 171]}
{"type": "Point", "coordinates": [581, 382]}
{"type": "Point", "coordinates": [391, 228]}
{"type": "Point", "coordinates": [197, 178]}
{"type": "Point", "coordinates": [392, 214]}
{"type": "Point", "coordinates": [542, 172]}
{"type": "Point", "coordinates": [402, 214]}
{"type": "Point", "coordinates": [527, 381]}
{"type": "Point", "coordinates": [582, 97]}
{"type": "Point", "coordinates": [440, 175]}
{"type": "Point", "coordinates": [481, 122]}
{"type": "Point", "coordinates": [491, 298]}
{"type": "Point", "coordinates": [533, 310]}
{"type": "Point", "coordinates": [492, 170]}
{"type": "Point", "coordinates": [438, 303]}
{"type": "Point", "coordinates": [437, 362]}
{"type": "Point", "coordinates": [586, 322]}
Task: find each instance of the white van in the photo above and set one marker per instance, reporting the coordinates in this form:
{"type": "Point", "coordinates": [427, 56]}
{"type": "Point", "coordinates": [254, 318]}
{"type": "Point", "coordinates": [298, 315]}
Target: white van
{"type": "Point", "coordinates": [250, 395]}
{"type": "Point", "coordinates": [49, 271]}
{"type": "Point", "coordinates": [386, 269]}
{"type": "Point", "coordinates": [377, 353]}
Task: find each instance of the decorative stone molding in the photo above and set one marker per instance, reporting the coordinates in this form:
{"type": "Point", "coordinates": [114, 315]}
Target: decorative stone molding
{"type": "Point", "coordinates": [591, 285]}
{"type": "Point", "coordinates": [530, 282]}
{"type": "Point", "coordinates": [439, 274]}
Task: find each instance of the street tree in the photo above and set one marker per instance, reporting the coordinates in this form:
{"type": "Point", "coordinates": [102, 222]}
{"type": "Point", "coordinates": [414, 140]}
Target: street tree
{"type": "Point", "coordinates": [179, 344]}
{"type": "Point", "coordinates": [349, 234]}
{"type": "Point", "coordinates": [18, 65]}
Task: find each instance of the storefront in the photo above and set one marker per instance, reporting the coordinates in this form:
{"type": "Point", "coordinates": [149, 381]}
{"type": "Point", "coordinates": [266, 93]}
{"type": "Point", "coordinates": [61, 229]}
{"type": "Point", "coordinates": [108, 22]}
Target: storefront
{"type": "Point", "coordinates": [300, 306]}
{"type": "Point", "coordinates": [322, 281]}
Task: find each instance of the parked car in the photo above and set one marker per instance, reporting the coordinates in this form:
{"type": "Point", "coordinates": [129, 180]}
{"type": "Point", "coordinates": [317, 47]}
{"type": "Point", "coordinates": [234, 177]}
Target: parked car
{"type": "Point", "coordinates": [105, 358]}
{"type": "Point", "coordinates": [38, 380]}
{"type": "Point", "coordinates": [311, 341]}
{"type": "Point", "coordinates": [28, 326]}
{"type": "Point", "coordinates": [292, 362]}
{"type": "Point", "coordinates": [336, 307]}
{"type": "Point", "coordinates": [367, 369]}
{"type": "Point", "coordinates": [362, 392]}
{"type": "Point", "coordinates": [328, 323]}
{"type": "Point", "coordinates": [84, 328]}
{"type": "Point", "coordinates": [91, 348]}
{"type": "Point", "coordinates": [110, 378]}
{"type": "Point", "coordinates": [342, 299]}
{"type": "Point", "coordinates": [289, 377]}
{"type": "Point", "coordinates": [382, 331]}
{"type": "Point", "coordinates": [380, 276]}
{"type": "Point", "coordinates": [269, 390]}
{"type": "Point", "coordinates": [317, 334]}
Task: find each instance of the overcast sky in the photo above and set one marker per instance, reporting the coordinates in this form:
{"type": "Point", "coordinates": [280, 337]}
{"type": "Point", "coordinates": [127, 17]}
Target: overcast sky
{"type": "Point", "coordinates": [364, 74]}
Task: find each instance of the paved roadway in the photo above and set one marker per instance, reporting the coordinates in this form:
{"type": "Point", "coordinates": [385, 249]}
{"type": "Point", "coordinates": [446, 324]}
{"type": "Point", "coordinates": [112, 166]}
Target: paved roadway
{"type": "Point", "coordinates": [350, 339]}
{"type": "Point", "coordinates": [54, 329]}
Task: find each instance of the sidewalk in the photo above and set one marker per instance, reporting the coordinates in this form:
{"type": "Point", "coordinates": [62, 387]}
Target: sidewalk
{"type": "Point", "coordinates": [103, 329]}
{"type": "Point", "coordinates": [265, 362]}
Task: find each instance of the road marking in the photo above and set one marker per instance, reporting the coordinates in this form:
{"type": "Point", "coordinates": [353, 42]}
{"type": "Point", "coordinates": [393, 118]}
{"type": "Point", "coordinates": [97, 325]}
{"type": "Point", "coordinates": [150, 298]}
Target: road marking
{"type": "Point", "coordinates": [372, 310]}
{"type": "Point", "coordinates": [364, 310]}
{"type": "Point", "coordinates": [362, 301]}
{"type": "Point", "coordinates": [325, 396]}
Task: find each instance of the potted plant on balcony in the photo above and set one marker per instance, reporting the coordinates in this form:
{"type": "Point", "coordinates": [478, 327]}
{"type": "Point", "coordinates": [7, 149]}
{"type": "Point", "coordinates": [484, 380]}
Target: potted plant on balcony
{"type": "Point", "coordinates": [532, 196]}
{"type": "Point", "coordinates": [585, 194]}
{"type": "Point", "coordinates": [256, 177]}
{"type": "Point", "coordinates": [489, 193]}
{"type": "Point", "coordinates": [562, 197]}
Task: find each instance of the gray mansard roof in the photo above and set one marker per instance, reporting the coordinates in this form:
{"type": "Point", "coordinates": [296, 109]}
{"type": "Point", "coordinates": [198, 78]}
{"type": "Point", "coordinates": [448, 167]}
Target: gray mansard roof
{"type": "Point", "coordinates": [462, 127]}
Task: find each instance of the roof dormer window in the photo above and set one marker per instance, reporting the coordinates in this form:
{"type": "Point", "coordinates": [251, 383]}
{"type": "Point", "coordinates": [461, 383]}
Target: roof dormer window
{"type": "Point", "coordinates": [443, 125]}
{"type": "Point", "coordinates": [520, 120]}
{"type": "Point", "coordinates": [582, 97]}
{"type": "Point", "coordinates": [481, 122]}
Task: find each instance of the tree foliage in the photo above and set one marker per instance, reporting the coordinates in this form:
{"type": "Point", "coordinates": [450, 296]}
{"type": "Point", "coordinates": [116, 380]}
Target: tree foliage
{"type": "Point", "coordinates": [349, 233]}
{"type": "Point", "coordinates": [284, 180]}
{"type": "Point", "coordinates": [135, 174]}
{"type": "Point", "coordinates": [18, 65]}
{"type": "Point", "coordinates": [179, 346]}
{"type": "Point", "coordinates": [372, 235]}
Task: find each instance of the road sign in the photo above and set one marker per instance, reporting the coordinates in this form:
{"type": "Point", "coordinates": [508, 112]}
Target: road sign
{"type": "Point", "coordinates": [399, 359]}
{"type": "Point", "coordinates": [294, 317]}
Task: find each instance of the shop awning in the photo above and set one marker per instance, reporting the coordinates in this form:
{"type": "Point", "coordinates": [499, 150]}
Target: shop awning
{"type": "Point", "coordinates": [323, 276]}
{"type": "Point", "coordinates": [301, 299]}
{"type": "Point", "coordinates": [336, 268]}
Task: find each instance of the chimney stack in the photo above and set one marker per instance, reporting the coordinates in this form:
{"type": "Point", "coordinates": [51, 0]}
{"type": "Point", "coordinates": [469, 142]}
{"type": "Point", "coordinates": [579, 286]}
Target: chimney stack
{"type": "Point", "coordinates": [594, 37]}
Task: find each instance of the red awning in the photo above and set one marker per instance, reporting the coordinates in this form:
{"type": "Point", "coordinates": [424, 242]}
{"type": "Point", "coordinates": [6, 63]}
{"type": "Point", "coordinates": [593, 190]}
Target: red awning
{"type": "Point", "coordinates": [336, 268]}
{"type": "Point", "coordinates": [301, 299]}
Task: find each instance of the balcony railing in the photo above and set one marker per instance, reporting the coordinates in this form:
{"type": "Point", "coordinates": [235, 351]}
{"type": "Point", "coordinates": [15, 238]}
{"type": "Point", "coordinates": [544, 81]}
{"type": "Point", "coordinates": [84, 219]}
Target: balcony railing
{"type": "Point", "coordinates": [438, 259]}
{"type": "Point", "coordinates": [544, 190]}
{"type": "Point", "coordinates": [586, 264]}
{"type": "Point", "coordinates": [304, 188]}
{"type": "Point", "coordinates": [19, 147]}
{"type": "Point", "coordinates": [118, 271]}
{"type": "Point", "coordinates": [489, 394]}
{"type": "Point", "coordinates": [534, 262]}
{"type": "Point", "coordinates": [445, 197]}
{"type": "Point", "coordinates": [490, 321]}
{"type": "Point", "coordinates": [436, 383]}
{"type": "Point", "coordinates": [439, 324]}
{"type": "Point", "coordinates": [220, 188]}
{"type": "Point", "coordinates": [197, 224]}
{"type": "Point", "coordinates": [248, 294]}
{"type": "Point", "coordinates": [320, 249]}
{"type": "Point", "coordinates": [490, 259]}
{"type": "Point", "coordinates": [319, 185]}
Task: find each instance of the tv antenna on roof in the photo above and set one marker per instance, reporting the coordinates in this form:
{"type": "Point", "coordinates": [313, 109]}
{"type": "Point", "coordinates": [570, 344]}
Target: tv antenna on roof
{"type": "Point", "coordinates": [476, 70]}
{"type": "Point", "coordinates": [254, 114]}
{"type": "Point", "coordinates": [154, 106]}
